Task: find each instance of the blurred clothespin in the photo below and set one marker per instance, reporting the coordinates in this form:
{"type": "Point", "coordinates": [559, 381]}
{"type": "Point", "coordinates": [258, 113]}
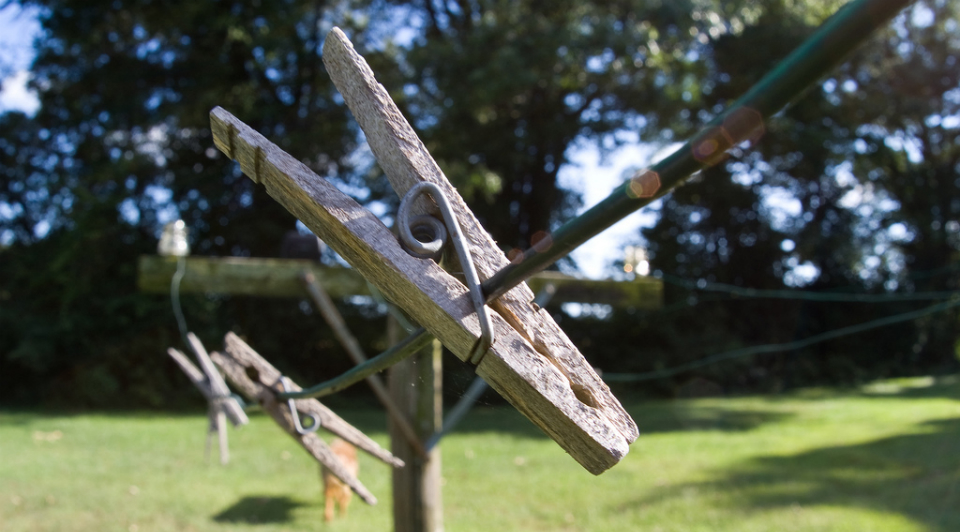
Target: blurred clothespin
{"type": "Point", "coordinates": [222, 404]}
{"type": "Point", "coordinates": [259, 381]}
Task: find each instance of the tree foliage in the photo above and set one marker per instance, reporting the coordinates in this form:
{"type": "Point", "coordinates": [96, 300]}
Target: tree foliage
{"type": "Point", "coordinates": [122, 144]}
{"type": "Point", "coordinates": [852, 189]}
{"type": "Point", "coordinates": [500, 91]}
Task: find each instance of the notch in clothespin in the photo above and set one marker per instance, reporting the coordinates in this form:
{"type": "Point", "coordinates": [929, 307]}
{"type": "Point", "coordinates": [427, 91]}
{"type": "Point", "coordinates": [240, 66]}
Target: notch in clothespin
{"type": "Point", "coordinates": [259, 381]}
{"type": "Point", "coordinates": [531, 363]}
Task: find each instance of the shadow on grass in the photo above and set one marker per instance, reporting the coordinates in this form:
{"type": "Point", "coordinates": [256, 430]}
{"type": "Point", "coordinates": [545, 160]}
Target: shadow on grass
{"type": "Point", "coordinates": [259, 510]}
{"type": "Point", "coordinates": [675, 416]}
{"type": "Point", "coordinates": [915, 475]}
{"type": "Point", "coordinates": [651, 417]}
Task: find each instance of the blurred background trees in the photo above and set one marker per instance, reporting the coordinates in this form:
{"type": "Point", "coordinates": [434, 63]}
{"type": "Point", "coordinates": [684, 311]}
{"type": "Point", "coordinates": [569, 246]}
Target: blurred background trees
{"type": "Point", "coordinates": [853, 188]}
{"type": "Point", "coordinates": [830, 201]}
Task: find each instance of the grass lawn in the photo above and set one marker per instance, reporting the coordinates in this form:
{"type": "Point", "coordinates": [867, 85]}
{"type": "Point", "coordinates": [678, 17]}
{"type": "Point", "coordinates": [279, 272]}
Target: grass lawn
{"type": "Point", "coordinates": [884, 458]}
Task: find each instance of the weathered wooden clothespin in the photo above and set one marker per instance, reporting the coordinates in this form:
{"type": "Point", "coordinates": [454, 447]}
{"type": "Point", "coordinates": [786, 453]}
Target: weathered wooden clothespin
{"type": "Point", "coordinates": [259, 381]}
{"type": "Point", "coordinates": [221, 405]}
{"type": "Point", "coordinates": [531, 363]}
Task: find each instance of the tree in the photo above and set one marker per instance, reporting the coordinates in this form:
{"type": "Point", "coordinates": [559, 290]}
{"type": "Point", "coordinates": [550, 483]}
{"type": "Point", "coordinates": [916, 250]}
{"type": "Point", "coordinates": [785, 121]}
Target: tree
{"type": "Point", "coordinates": [122, 144]}
{"type": "Point", "coordinates": [857, 212]}
{"type": "Point", "coordinates": [501, 90]}
{"type": "Point", "coordinates": [908, 154]}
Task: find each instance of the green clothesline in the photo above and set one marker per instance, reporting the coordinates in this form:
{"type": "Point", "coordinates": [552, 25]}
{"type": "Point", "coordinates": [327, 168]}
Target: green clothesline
{"type": "Point", "coordinates": [778, 348]}
{"type": "Point", "coordinates": [807, 295]}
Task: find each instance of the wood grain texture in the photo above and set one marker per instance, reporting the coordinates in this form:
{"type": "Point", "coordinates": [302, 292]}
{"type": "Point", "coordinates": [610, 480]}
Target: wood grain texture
{"type": "Point", "coordinates": [416, 385]}
{"type": "Point", "coordinates": [406, 162]}
{"type": "Point", "coordinates": [532, 382]}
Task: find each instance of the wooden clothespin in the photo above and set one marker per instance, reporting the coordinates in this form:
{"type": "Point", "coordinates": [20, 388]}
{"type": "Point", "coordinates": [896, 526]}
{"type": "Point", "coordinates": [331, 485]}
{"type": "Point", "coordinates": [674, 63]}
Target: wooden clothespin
{"type": "Point", "coordinates": [259, 381]}
{"type": "Point", "coordinates": [221, 405]}
{"type": "Point", "coordinates": [531, 363]}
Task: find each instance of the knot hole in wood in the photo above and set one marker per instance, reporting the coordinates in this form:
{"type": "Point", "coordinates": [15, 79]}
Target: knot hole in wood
{"type": "Point", "coordinates": [584, 395]}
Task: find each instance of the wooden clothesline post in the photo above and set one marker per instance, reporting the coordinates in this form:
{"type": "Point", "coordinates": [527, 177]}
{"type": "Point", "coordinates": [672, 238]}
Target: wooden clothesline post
{"type": "Point", "coordinates": [271, 277]}
{"type": "Point", "coordinates": [417, 498]}
{"type": "Point", "coordinates": [416, 385]}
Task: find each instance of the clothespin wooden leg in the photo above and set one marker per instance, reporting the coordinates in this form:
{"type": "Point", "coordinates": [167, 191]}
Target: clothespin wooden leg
{"type": "Point", "coordinates": [222, 433]}
{"type": "Point", "coordinates": [211, 427]}
{"type": "Point", "coordinates": [216, 424]}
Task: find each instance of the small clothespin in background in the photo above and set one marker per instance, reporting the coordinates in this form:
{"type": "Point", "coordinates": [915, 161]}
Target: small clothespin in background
{"type": "Point", "coordinates": [259, 381]}
{"type": "Point", "coordinates": [221, 404]}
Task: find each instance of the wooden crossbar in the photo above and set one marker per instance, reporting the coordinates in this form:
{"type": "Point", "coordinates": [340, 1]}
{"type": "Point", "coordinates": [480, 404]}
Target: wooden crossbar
{"type": "Point", "coordinates": [273, 277]}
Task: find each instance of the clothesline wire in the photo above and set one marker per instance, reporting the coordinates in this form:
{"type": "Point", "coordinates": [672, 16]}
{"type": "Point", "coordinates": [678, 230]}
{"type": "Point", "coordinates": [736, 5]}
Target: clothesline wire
{"type": "Point", "coordinates": [776, 348]}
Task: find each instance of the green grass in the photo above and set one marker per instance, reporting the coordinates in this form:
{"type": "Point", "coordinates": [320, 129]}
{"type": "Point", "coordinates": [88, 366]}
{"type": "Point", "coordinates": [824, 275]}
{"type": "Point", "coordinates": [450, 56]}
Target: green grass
{"type": "Point", "coordinates": [885, 458]}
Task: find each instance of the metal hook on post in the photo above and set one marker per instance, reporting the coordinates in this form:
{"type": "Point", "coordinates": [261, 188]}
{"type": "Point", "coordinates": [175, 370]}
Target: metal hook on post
{"type": "Point", "coordinates": [434, 236]}
{"type": "Point", "coordinates": [296, 414]}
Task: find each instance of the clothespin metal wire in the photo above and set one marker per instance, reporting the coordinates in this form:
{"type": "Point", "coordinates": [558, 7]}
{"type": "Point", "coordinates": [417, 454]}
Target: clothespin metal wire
{"type": "Point", "coordinates": [295, 414]}
{"type": "Point", "coordinates": [471, 279]}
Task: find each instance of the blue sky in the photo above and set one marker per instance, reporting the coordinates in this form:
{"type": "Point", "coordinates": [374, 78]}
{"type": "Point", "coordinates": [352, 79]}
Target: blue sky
{"type": "Point", "coordinates": [587, 173]}
{"type": "Point", "coordinates": [18, 27]}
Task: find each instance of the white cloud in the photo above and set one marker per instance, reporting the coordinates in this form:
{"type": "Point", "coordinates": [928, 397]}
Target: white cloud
{"type": "Point", "coordinates": [595, 179]}
{"type": "Point", "coordinates": [15, 96]}
{"type": "Point", "coordinates": [19, 26]}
